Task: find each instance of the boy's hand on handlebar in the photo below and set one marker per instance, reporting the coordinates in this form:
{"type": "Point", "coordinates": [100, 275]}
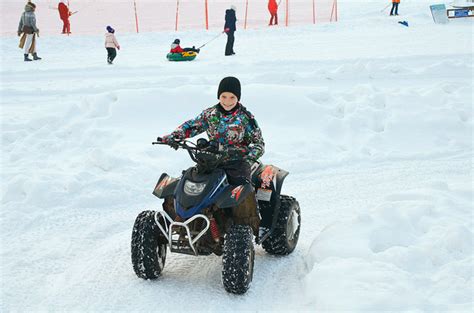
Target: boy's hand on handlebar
{"type": "Point", "coordinates": [171, 141]}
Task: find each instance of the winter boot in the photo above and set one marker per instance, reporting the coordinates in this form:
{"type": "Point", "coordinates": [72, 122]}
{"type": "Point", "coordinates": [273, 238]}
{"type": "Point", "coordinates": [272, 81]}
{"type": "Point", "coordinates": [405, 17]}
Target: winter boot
{"type": "Point", "coordinates": [36, 57]}
{"type": "Point", "coordinates": [27, 58]}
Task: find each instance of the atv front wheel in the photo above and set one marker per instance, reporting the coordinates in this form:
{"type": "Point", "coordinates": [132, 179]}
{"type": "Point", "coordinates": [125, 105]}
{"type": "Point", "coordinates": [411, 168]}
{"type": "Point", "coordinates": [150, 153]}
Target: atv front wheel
{"type": "Point", "coordinates": [148, 247]}
{"type": "Point", "coordinates": [285, 236]}
{"type": "Point", "coordinates": [238, 259]}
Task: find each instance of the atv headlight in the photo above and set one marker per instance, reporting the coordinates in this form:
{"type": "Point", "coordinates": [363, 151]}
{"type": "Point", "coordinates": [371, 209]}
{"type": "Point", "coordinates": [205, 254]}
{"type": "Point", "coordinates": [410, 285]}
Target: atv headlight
{"type": "Point", "coordinates": [193, 189]}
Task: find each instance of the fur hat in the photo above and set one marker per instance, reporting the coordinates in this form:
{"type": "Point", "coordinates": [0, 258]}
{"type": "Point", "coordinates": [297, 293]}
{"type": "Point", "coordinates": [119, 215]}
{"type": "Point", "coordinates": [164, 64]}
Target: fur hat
{"type": "Point", "coordinates": [229, 84]}
{"type": "Point", "coordinates": [110, 29]}
{"type": "Point", "coordinates": [30, 6]}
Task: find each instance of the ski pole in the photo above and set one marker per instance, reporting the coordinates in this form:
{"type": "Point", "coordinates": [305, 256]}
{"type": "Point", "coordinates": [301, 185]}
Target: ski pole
{"type": "Point", "coordinates": [385, 7]}
{"type": "Point", "coordinates": [211, 39]}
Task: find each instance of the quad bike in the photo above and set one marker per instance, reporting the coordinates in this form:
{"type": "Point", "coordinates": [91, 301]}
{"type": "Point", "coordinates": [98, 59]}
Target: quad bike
{"type": "Point", "coordinates": [200, 221]}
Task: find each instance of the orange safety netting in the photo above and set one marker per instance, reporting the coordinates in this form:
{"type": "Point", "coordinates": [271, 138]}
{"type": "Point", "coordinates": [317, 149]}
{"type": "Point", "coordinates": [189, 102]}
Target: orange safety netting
{"type": "Point", "coordinates": [91, 16]}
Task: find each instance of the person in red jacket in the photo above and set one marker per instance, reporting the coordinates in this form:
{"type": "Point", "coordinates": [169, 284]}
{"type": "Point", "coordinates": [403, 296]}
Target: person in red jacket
{"type": "Point", "coordinates": [176, 48]}
{"type": "Point", "coordinates": [64, 15]}
{"type": "Point", "coordinates": [273, 9]}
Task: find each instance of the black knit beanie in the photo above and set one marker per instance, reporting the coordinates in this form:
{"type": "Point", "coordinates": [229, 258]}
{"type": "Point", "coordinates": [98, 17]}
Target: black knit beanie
{"type": "Point", "coordinates": [229, 84]}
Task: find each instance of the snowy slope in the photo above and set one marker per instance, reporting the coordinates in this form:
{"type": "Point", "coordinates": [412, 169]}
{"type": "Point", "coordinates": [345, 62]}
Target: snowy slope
{"type": "Point", "coordinates": [373, 121]}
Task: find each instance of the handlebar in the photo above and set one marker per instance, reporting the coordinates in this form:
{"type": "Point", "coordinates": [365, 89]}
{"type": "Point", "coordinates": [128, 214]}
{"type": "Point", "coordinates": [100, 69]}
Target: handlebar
{"type": "Point", "coordinates": [159, 141]}
{"type": "Point", "coordinates": [196, 151]}
{"type": "Point", "coordinates": [202, 145]}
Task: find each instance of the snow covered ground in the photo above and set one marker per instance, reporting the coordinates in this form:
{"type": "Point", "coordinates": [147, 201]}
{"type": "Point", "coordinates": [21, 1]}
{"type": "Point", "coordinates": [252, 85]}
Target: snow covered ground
{"type": "Point", "coordinates": [372, 119]}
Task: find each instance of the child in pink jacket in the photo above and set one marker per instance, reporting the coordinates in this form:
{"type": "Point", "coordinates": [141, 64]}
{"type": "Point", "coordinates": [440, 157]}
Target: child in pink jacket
{"type": "Point", "coordinates": [110, 44]}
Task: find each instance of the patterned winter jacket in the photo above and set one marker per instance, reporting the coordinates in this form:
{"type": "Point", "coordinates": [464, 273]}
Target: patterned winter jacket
{"type": "Point", "coordinates": [28, 18]}
{"type": "Point", "coordinates": [233, 130]}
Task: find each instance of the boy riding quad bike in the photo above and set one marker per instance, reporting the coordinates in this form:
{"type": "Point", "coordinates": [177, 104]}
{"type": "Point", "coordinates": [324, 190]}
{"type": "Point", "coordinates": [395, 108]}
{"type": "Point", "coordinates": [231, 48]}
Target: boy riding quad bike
{"type": "Point", "coordinates": [215, 206]}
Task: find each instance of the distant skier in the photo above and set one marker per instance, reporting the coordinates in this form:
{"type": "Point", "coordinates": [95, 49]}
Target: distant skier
{"type": "Point", "coordinates": [111, 44]}
{"type": "Point", "coordinates": [27, 27]}
{"type": "Point", "coordinates": [229, 29]}
{"type": "Point", "coordinates": [176, 48]}
{"type": "Point", "coordinates": [64, 15]}
{"type": "Point", "coordinates": [394, 10]}
{"type": "Point", "coordinates": [273, 9]}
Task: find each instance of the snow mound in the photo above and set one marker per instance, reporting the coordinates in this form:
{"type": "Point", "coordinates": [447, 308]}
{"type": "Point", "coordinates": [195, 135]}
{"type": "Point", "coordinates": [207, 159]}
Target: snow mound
{"type": "Point", "coordinates": [414, 251]}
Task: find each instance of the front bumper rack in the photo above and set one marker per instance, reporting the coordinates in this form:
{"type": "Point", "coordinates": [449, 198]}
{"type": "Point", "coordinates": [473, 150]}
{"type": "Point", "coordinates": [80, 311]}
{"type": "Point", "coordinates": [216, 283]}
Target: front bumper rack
{"type": "Point", "coordinates": [175, 240]}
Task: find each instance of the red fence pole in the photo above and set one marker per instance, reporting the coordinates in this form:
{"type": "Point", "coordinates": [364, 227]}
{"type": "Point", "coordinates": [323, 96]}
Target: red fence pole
{"type": "Point", "coordinates": [136, 16]}
{"type": "Point", "coordinates": [334, 10]}
{"type": "Point", "coordinates": [177, 9]}
{"type": "Point", "coordinates": [207, 16]}
{"type": "Point", "coordinates": [246, 9]}
{"type": "Point", "coordinates": [286, 17]}
{"type": "Point", "coordinates": [314, 14]}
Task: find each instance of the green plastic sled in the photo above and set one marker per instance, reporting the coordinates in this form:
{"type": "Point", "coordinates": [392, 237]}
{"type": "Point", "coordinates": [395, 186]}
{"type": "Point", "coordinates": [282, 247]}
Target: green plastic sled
{"type": "Point", "coordinates": [183, 56]}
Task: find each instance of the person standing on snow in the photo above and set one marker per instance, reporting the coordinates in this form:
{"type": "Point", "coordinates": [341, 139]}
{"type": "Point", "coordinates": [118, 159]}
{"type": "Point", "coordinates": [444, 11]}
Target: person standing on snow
{"type": "Point", "coordinates": [27, 27]}
{"type": "Point", "coordinates": [236, 133]}
{"type": "Point", "coordinates": [64, 15]}
{"type": "Point", "coordinates": [273, 9]}
{"type": "Point", "coordinates": [229, 29]}
{"type": "Point", "coordinates": [395, 4]}
{"type": "Point", "coordinates": [111, 44]}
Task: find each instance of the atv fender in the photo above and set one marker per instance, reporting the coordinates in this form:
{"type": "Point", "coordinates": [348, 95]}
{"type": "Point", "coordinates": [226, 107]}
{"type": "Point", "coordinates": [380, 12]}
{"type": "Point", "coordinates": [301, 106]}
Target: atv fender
{"type": "Point", "coordinates": [268, 180]}
{"type": "Point", "coordinates": [233, 195]}
{"type": "Point", "coordinates": [165, 186]}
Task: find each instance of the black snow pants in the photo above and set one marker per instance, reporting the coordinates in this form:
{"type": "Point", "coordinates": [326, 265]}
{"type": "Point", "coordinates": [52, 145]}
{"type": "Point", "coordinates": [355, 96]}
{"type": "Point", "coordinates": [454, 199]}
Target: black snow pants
{"type": "Point", "coordinates": [229, 47]}
{"type": "Point", "coordinates": [394, 7]}
{"type": "Point", "coordinates": [246, 213]}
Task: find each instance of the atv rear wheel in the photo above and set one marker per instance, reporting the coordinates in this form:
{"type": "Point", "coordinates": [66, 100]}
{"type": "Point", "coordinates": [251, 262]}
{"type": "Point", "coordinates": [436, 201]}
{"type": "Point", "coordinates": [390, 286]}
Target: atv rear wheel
{"type": "Point", "coordinates": [285, 236]}
{"type": "Point", "coordinates": [238, 259]}
{"type": "Point", "coordinates": [148, 247]}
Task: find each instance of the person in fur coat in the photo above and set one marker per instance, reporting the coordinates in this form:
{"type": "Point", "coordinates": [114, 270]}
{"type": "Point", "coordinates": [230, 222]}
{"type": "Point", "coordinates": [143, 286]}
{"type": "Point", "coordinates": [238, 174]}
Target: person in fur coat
{"type": "Point", "coordinates": [28, 31]}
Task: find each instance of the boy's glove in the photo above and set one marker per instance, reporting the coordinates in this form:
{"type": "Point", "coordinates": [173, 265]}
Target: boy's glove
{"type": "Point", "coordinates": [226, 30]}
{"type": "Point", "coordinates": [171, 140]}
{"type": "Point", "coordinates": [118, 47]}
{"type": "Point", "coordinates": [19, 33]}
